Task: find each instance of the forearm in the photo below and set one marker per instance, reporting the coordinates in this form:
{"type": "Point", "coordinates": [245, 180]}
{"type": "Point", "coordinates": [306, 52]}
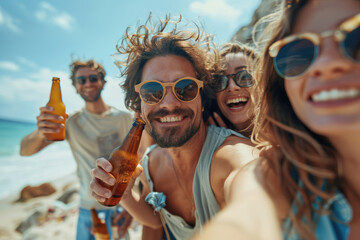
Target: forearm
{"type": "Point", "coordinates": [32, 144]}
{"type": "Point", "coordinates": [141, 211]}
{"type": "Point", "coordinates": [152, 234]}
{"type": "Point", "coordinates": [242, 221]}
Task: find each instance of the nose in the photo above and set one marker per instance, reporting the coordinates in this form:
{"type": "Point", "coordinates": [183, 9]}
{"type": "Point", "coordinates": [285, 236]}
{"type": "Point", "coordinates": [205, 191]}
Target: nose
{"type": "Point", "coordinates": [232, 85]}
{"type": "Point", "coordinates": [169, 101]}
{"type": "Point", "coordinates": [330, 63]}
{"type": "Point", "coordinates": [87, 82]}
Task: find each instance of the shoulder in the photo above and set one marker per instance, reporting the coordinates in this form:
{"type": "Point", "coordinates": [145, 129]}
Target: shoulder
{"type": "Point", "coordinates": [236, 151]}
{"type": "Point", "coordinates": [116, 112]}
{"type": "Point", "coordinates": [259, 179]}
{"type": "Point", "coordinates": [73, 116]}
{"type": "Point", "coordinates": [120, 118]}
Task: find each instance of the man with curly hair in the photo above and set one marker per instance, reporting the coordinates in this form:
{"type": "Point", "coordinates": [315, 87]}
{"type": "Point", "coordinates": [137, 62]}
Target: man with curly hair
{"type": "Point", "coordinates": [92, 132]}
{"type": "Point", "coordinates": [167, 81]}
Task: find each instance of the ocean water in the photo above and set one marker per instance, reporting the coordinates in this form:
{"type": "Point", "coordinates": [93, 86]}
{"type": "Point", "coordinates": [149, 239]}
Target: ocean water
{"type": "Point", "coordinates": [53, 162]}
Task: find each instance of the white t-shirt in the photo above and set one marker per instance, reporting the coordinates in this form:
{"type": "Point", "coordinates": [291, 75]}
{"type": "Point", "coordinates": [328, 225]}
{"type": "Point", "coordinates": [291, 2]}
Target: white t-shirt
{"type": "Point", "coordinates": [91, 136]}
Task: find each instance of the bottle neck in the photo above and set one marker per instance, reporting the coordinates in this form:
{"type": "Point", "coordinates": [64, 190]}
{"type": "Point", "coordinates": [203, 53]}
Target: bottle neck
{"type": "Point", "coordinates": [55, 94]}
{"type": "Point", "coordinates": [132, 141]}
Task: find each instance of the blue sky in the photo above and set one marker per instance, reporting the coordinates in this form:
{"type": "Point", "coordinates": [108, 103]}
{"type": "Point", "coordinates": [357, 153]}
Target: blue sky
{"type": "Point", "coordinates": [38, 39]}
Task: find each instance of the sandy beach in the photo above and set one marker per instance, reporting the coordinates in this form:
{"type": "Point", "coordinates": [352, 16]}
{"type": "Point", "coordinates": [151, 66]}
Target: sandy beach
{"type": "Point", "coordinates": [48, 217]}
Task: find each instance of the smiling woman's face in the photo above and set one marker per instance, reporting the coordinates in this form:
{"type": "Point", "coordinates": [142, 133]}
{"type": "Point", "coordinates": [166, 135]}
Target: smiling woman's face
{"type": "Point", "coordinates": [236, 103]}
{"type": "Point", "coordinates": [327, 97]}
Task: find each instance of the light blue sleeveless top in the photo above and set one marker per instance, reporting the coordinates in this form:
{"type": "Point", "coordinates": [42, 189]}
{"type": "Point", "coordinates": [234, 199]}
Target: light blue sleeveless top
{"type": "Point", "coordinates": [205, 201]}
{"type": "Point", "coordinates": [332, 225]}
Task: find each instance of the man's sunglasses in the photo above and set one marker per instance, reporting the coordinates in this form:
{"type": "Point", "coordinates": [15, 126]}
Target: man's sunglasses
{"type": "Point", "coordinates": [242, 79]}
{"type": "Point", "coordinates": [185, 90]}
{"type": "Point", "coordinates": [294, 55]}
{"type": "Point", "coordinates": [82, 79]}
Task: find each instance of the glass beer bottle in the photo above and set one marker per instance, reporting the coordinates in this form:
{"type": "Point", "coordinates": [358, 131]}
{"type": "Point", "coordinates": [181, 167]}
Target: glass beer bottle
{"type": "Point", "coordinates": [124, 160]}
{"type": "Point", "coordinates": [99, 227]}
{"type": "Point", "coordinates": [55, 101]}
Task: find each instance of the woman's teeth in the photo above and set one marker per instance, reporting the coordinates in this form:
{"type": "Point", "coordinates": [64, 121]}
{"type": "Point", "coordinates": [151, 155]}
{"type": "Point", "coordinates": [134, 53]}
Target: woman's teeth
{"type": "Point", "coordinates": [335, 94]}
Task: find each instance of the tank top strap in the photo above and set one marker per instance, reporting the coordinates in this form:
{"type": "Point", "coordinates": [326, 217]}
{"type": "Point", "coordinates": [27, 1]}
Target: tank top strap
{"type": "Point", "coordinates": [145, 165]}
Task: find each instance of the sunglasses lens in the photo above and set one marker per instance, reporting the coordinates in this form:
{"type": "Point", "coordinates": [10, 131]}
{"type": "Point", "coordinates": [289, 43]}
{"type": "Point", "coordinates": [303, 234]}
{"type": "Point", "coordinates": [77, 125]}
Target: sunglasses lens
{"type": "Point", "coordinates": [294, 58]}
{"type": "Point", "coordinates": [244, 79]}
{"type": "Point", "coordinates": [186, 89]}
{"type": "Point", "coordinates": [221, 83]}
{"type": "Point", "coordinates": [81, 80]}
{"type": "Point", "coordinates": [93, 78]}
{"type": "Point", "coordinates": [151, 92]}
{"type": "Point", "coordinates": [351, 44]}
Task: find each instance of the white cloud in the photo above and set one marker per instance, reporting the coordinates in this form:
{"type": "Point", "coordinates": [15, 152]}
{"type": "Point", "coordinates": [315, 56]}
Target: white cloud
{"type": "Point", "coordinates": [26, 62]}
{"type": "Point", "coordinates": [64, 20]}
{"type": "Point", "coordinates": [218, 10]}
{"type": "Point", "coordinates": [30, 93]}
{"type": "Point", "coordinates": [48, 13]}
{"type": "Point", "coordinates": [10, 66]}
{"type": "Point", "coordinates": [7, 21]}
{"type": "Point", "coordinates": [47, 6]}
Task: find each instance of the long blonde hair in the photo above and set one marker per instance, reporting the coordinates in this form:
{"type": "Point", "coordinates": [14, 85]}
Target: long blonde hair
{"type": "Point", "coordinates": [306, 163]}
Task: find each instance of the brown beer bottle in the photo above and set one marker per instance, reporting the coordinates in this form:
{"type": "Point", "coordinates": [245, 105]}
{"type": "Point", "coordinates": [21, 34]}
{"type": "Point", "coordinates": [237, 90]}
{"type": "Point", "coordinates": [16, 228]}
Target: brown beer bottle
{"type": "Point", "coordinates": [55, 101]}
{"type": "Point", "coordinates": [124, 160]}
{"type": "Point", "coordinates": [99, 227]}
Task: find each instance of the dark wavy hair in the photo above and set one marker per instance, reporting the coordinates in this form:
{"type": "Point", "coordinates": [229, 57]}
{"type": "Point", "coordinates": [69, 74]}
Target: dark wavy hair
{"type": "Point", "coordinates": [149, 41]}
{"type": "Point", "coordinates": [75, 65]}
{"type": "Point", "coordinates": [306, 163]}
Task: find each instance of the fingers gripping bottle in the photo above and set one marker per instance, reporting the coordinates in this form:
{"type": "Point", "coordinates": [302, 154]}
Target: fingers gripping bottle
{"type": "Point", "coordinates": [124, 160]}
{"type": "Point", "coordinates": [55, 101]}
{"type": "Point", "coordinates": [99, 227]}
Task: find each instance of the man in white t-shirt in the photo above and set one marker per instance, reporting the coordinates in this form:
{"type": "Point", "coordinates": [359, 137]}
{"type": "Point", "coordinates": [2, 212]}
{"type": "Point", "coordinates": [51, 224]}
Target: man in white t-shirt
{"type": "Point", "coordinates": [92, 132]}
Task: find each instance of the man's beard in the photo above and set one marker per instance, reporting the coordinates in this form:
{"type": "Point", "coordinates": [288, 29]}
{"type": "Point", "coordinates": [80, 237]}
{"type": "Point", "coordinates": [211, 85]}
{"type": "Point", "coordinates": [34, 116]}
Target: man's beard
{"type": "Point", "coordinates": [170, 137]}
{"type": "Point", "coordinates": [91, 99]}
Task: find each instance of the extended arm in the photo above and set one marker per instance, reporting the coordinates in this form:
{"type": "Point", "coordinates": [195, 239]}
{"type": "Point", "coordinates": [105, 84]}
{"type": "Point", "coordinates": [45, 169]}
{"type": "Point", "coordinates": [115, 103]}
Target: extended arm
{"type": "Point", "coordinates": [250, 212]}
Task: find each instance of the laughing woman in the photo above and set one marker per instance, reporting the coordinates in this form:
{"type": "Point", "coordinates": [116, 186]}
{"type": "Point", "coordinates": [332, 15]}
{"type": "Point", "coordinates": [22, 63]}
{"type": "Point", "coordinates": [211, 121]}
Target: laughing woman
{"type": "Point", "coordinates": [306, 185]}
{"type": "Point", "coordinates": [235, 94]}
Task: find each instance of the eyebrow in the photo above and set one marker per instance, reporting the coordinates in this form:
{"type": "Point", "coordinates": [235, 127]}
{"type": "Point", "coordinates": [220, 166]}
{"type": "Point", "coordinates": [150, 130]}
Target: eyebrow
{"type": "Point", "coordinates": [241, 67]}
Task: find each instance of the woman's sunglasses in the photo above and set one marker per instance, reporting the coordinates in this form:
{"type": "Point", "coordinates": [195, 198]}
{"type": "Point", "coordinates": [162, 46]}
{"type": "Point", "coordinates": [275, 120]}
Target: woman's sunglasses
{"type": "Point", "coordinates": [185, 90]}
{"type": "Point", "coordinates": [294, 55]}
{"type": "Point", "coordinates": [82, 79]}
{"type": "Point", "coordinates": [242, 79]}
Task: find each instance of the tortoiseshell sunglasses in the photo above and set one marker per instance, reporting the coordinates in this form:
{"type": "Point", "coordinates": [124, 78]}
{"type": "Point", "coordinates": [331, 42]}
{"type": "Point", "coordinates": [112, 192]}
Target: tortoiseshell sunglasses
{"type": "Point", "coordinates": [294, 54]}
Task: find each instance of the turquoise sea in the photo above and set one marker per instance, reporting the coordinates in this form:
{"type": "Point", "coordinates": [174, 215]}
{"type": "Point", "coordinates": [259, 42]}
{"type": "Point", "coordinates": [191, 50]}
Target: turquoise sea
{"type": "Point", "coordinates": [53, 162]}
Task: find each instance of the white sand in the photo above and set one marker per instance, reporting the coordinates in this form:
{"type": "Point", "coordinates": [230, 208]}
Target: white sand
{"type": "Point", "coordinates": [48, 226]}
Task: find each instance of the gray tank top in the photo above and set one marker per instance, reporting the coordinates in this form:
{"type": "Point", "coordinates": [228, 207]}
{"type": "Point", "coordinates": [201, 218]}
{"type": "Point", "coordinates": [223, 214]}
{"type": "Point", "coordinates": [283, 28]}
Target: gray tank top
{"type": "Point", "coordinates": [205, 201]}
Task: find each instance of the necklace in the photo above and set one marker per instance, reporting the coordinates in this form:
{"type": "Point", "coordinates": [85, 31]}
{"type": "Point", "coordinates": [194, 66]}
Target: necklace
{"type": "Point", "coordinates": [191, 201]}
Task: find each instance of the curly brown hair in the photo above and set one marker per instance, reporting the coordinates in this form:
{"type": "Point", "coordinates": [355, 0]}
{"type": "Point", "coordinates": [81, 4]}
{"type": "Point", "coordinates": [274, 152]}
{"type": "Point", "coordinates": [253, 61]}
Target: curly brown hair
{"type": "Point", "coordinates": [306, 163]}
{"type": "Point", "coordinates": [149, 41]}
{"type": "Point", "coordinates": [75, 65]}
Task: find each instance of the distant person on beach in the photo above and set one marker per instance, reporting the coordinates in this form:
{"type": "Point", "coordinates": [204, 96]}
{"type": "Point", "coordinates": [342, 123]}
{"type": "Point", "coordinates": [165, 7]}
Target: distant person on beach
{"type": "Point", "coordinates": [91, 132]}
{"type": "Point", "coordinates": [234, 87]}
{"type": "Point", "coordinates": [167, 79]}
